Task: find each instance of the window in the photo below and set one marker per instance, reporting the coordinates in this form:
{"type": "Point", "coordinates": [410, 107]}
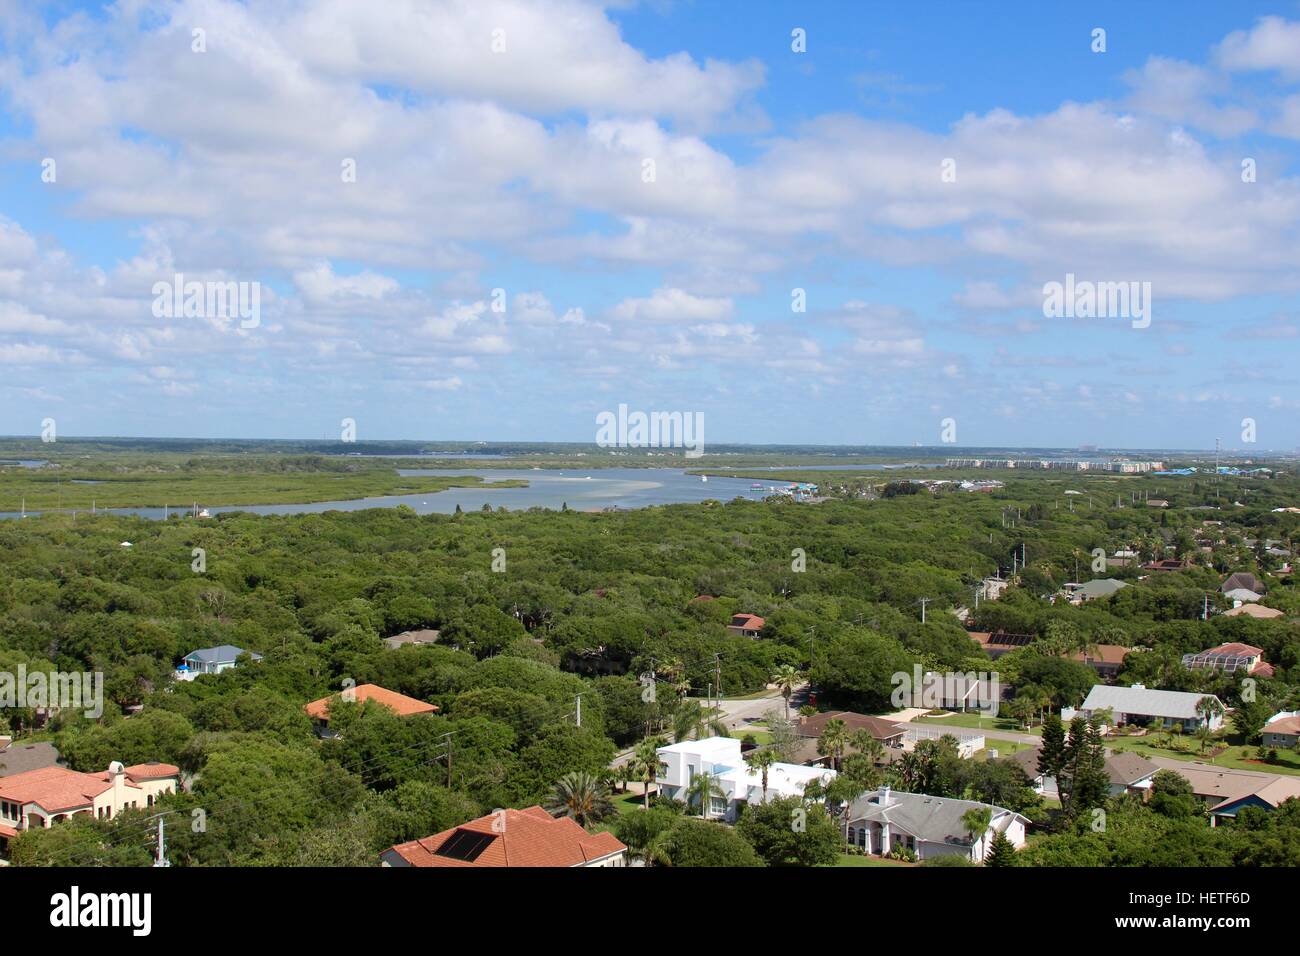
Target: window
{"type": "Point", "coordinates": [853, 835]}
{"type": "Point", "coordinates": [717, 805]}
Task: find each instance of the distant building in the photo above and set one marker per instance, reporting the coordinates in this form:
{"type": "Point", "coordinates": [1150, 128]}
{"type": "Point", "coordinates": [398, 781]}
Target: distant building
{"type": "Point", "coordinates": [400, 704]}
{"type": "Point", "coordinates": [746, 625]}
{"type": "Point", "coordinates": [19, 758]}
{"type": "Point", "coordinates": [211, 660]}
{"type": "Point", "coordinates": [1106, 659]}
{"type": "Point", "coordinates": [415, 638]}
{"type": "Point", "coordinates": [1257, 611]}
{"type": "Point", "coordinates": [1092, 590]}
{"type": "Point", "coordinates": [1128, 772]}
{"type": "Point", "coordinates": [1233, 658]}
{"type": "Point", "coordinates": [1241, 579]}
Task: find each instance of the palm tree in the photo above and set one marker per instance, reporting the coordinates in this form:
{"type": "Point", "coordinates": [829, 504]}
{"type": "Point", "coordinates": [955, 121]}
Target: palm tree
{"type": "Point", "coordinates": [976, 821]}
{"type": "Point", "coordinates": [787, 677]}
{"type": "Point", "coordinates": [582, 797]}
{"type": "Point", "coordinates": [1207, 708]}
{"type": "Point", "coordinates": [646, 763]}
{"type": "Point", "coordinates": [761, 760]}
{"type": "Point", "coordinates": [833, 740]}
{"type": "Point", "coordinates": [704, 788]}
{"type": "Point", "coordinates": [864, 743]}
{"type": "Point", "coordinates": [694, 720]}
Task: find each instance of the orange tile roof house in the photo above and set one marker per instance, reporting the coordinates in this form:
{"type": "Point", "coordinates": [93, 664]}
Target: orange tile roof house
{"type": "Point", "coordinates": [40, 798]}
{"type": "Point", "coordinates": [1230, 658]}
{"type": "Point", "coordinates": [747, 625]}
{"type": "Point", "coordinates": [530, 837]}
{"type": "Point", "coordinates": [400, 704]}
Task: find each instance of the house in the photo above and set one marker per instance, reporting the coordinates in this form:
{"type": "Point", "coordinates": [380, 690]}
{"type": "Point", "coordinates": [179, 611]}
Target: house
{"type": "Point", "coordinates": [19, 758]}
{"type": "Point", "coordinates": [1241, 596]}
{"type": "Point", "coordinates": [400, 704]}
{"type": "Point", "coordinates": [887, 732]}
{"type": "Point", "coordinates": [43, 797]}
{"type": "Point", "coordinates": [1242, 579]}
{"type": "Point", "coordinates": [1106, 659]}
{"type": "Point", "coordinates": [1128, 772]}
{"type": "Point", "coordinates": [1233, 658]}
{"type": "Point", "coordinates": [886, 819]}
{"type": "Point", "coordinates": [1282, 731]}
{"type": "Point", "coordinates": [995, 645]}
{"type": "Point", "coordinates": [1257, 611]}
{"type": "Point", "coordinates": [511, 838]}
{"type": "Point", "coordinates": [1168, 564]}
{"type": "Point", "coordinates": [746, 625]}
{"type": "Point", "coordinates": [1139, 705]}
{"type": "Point", "coordinates": [211, 660]}
{"type": "Point", "coordinates": [1101, 588]}
{"type": "Point", "coordinates": [992, 588]}
{"type": "Point", "coordinates": [681, 763]}
{"type": "Point", "coordinates": [969, 742]}
{"type": "Point", "coordinates": [1157, 503]}
{"type": "Point", "coordinates": [1224, 792]}
{"type": "Point", "coordinates": [416, 638]}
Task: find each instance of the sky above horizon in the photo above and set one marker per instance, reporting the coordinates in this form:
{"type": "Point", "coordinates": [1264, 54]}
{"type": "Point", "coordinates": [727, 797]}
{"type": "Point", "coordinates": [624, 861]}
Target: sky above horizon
{"type": "Point", "coordinates": [560, 207]}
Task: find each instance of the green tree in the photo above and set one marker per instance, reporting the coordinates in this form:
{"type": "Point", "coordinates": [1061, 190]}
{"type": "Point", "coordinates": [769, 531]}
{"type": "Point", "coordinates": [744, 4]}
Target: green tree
{"type": "Point", "coordinates": [761, 761]}
{"type": "Point", "coordinates": [582, 797]}
{"type": "Point", "coordinates": [702, 789]}
{"type": "Point", "coordinates": [786, 833]}
{"type": "Point", "coordinates": [1001, 851]}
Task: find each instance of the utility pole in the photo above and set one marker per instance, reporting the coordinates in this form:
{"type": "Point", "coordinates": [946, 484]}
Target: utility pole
{"type": "Point", "coordinates": [923, 602]}
{"type": "Point", "coordinates": [579, 710]}
{"type": "Point", "coordinates": [161, 858]}
{"type": "Point", "coordinates": [717, 676]}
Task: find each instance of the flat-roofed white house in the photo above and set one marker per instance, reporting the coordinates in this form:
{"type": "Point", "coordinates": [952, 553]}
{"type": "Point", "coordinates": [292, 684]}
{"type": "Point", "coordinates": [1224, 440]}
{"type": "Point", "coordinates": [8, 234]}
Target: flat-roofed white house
{"type": "Point", "coordinates": [1145, 707]}
{"type": "Point", "coordinates": [884, 820]}
{"type": "Point", "coordinates": [682, 762]}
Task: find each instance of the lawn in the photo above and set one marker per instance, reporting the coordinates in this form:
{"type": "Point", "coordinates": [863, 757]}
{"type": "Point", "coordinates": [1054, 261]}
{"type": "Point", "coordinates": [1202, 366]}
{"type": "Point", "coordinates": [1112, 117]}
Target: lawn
{"type": "Point", "coordinates": [1005, 748]}
{"type": "Point", "coordinates": [978, 721]}
{"type": "Point", "coordinates": [627, 802]}
{"type": "Point", "coordinates": [847, 859]}
{"type": "Point", "coordinates": [1237, 757]}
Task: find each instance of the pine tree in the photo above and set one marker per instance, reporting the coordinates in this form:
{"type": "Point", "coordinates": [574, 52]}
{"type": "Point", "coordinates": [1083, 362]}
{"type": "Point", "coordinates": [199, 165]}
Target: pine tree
{"type": "Point", "coordinates": [1001, 851]}
{"type": "Point", "coordinates": [1051, 758]}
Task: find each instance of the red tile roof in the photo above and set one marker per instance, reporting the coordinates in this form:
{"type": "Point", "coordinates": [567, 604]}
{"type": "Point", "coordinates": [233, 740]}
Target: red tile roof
{"type": "Point", "coordinates": [55, 789]}
{"type": "Point", "coordinates": [750, 622]}
{"type": "Point", "coordinates": [1103, 654]}
{"type": "Point", "coordinates": [151, 771]}
{"type": "Point", "coordinates": [399, 704]}
{"type": "Point", "coordinates": [530, 837]}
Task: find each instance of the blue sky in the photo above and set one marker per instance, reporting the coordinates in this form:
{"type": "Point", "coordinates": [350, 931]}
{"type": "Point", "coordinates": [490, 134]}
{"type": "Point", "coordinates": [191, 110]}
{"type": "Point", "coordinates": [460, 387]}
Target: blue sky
{"type": "Point", "coordinates": [517, 176]}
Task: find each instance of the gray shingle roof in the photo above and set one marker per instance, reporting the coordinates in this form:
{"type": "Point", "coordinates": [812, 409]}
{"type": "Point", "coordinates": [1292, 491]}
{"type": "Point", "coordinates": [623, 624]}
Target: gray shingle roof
{"type": "Point", "coordinates": [933, 819]}
{"type": "Point", "coordinates": [220, 654]}
{"type": "Point", "coordinates": [1172, 704]}
{"type": "Point", "coordinates": [1102, 588]}
{"type": "Point", "coordinates": [19, 758]}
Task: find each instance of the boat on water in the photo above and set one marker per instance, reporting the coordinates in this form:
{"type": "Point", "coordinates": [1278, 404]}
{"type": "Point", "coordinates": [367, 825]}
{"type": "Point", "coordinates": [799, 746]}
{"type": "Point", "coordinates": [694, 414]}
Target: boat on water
{"type": "Point", "coordinates": [704, 477]}
{"type": "Point", "coordinates": [756, 486]}
{"type": "Point", "coordinates": [204, 514]}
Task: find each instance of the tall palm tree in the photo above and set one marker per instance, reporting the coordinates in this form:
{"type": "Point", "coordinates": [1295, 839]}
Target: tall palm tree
{"type": "Point", "coordinates": [1207, 708]}
{"type": "Point", "coordinates": [976, 821]}
{"type": "Point", "coordinates": [864, 743]}
{"type": "Point", "coordinates": [704, 788]}
{"type": "Point", "coordinates": [831, 743]}
{"type": "Point", "coordinates": [694, 720]}
{"type": "Point", "coordinates": [581, 796]}
{"type": "Point", "coordinates": [761, 760]}
{"type": "Point", "coordinates": [646, 763]}
{"type": "Point", "coordinates": [787, 677]}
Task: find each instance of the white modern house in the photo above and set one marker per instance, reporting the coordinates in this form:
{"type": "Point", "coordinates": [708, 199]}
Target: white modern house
{"type": "Point", "coordinates": [682, 762]}
{"type": "Point", "coordinates": [1140, 705]}
{"type": "Point", "coordinates": [886, 819]}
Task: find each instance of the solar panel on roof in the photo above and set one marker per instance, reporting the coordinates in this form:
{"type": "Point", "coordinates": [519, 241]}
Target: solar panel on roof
{"type": "Point", "coordinates": [465, 845]}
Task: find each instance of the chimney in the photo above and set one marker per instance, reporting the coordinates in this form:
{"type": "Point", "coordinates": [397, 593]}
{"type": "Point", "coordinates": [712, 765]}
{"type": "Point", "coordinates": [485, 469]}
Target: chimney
{"type": "Point", "coordinates": [884, 795]}
{"type": "Point", "coordinates": [117, 777]}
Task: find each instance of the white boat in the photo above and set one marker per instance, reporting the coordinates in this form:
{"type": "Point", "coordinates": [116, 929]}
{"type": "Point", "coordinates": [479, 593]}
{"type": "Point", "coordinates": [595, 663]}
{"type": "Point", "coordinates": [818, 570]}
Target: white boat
{"type": "Point", "coordinates": [204, 514]}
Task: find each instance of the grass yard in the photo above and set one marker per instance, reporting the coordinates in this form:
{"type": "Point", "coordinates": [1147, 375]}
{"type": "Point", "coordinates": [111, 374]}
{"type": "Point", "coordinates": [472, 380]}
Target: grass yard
{"type": "Point", "coordinates": [846, 859]}
{"type": "Point", "coordinates": [978, 722]}
{"type": "Point", "coordinates": [1236, 757]}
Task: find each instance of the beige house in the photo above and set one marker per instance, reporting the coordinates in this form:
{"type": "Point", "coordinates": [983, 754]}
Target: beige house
{"type": "Point", "coordinates": [41, 798]}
